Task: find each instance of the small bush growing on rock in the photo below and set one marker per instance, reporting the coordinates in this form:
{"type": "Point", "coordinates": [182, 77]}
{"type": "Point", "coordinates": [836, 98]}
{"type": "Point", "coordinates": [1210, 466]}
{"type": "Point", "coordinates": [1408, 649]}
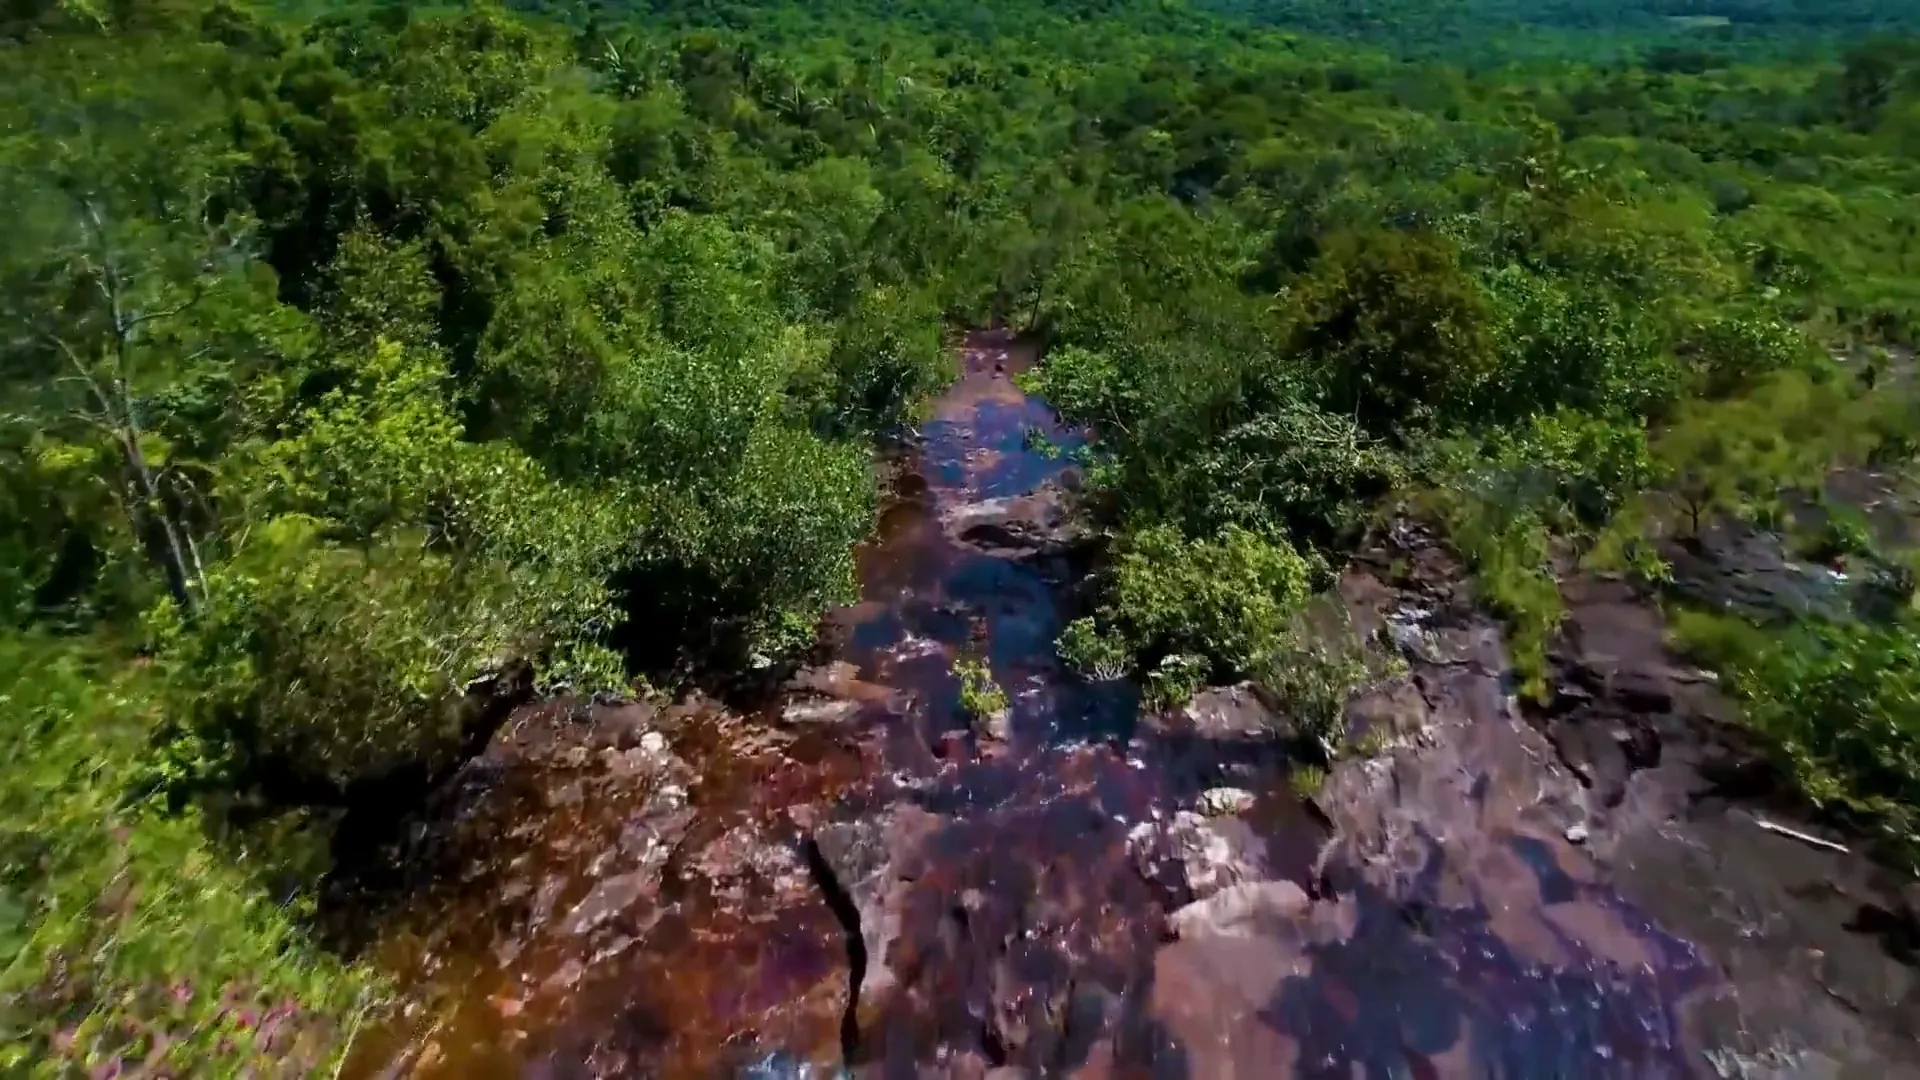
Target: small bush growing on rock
{"type": "Point", "coordinates": [1314, 682]}
{"type": "Point", "coordinates": [1177, 677]}
{"type": "Point", "coordinates": [1307, 778]}
{"type": "Point", "coordinates": [1095, 653]}
{"type": "Point", "coordinates": [980, 695]}
{"type": "Point", "coordinates": [1183, 612]}
{"type": "Point", "coordinates": [1502, 499]}
{"type": "Point", "coordinates": [1229, 600]}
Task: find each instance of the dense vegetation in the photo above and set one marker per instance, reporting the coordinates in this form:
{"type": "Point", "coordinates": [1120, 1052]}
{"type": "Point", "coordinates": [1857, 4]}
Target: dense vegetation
{"type": "Point", "coordinates": [1662, 34]}
{"type": "Point", "coordinates": [356, 361]}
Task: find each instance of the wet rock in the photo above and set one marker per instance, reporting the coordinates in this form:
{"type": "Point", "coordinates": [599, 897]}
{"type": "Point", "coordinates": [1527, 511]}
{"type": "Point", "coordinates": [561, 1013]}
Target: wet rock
{"type": "Point", "coordinates": [750, 864]}
{"type": "Point", "coordinates": [1735, 567]}
{"type": "Point", "coordinates": [1192, 857]}
{"type": "Point", "coordinates": [1238, 909]}
{"type": "Point", "coordinates": [1225, 801]}
{"type": "Point", "coordinates": [1024, 922]}
{"type": "Point", "coordinates": [862, 862]}
{"type": "Point", "coordinates": [824, 711]}
{"type": "Point", "coordinates": [1242, 711]}
{"type": "Point", "coordinates": [1019, 526]}
{"type": "Point", "coordinates": [566, 978]}
{"type": "Point", "coordinates": [611, 897]}
{"type": "Point", "coordinates": [625, 725]}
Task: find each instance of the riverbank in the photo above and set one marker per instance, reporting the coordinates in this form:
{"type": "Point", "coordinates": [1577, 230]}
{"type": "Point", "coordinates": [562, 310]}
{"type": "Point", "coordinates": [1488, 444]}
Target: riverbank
{"type": "Point", "coordinates": [863, 874]}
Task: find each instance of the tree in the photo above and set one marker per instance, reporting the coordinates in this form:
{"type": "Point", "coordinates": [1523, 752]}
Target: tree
{"type": "Point", "coordinates": [132, 313]}
{"type": "Point", "coordinates": [1396, 327]}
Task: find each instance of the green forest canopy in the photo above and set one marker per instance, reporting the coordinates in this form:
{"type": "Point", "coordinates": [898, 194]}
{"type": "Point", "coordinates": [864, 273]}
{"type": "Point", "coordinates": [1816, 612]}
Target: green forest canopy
{"type": "Point", "coordinates": [353, 356]}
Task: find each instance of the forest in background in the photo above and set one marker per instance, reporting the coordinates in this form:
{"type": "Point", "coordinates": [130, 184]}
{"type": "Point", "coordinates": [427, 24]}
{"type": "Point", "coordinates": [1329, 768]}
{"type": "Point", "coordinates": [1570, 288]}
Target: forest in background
{"type": "Point", "coordinates": [356, 359]}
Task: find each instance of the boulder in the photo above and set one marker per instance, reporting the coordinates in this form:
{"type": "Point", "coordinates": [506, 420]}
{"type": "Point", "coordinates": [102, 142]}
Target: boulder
{"type": "Point", "coordinates": [1238, 910]}
{"type": "Point", "coordinates": [1225, 801]}
{"type": "Point", "coordinates": [1241, 711]}
{"type": "Point", "coordinates": [1037, 524]}
{"type": "Point", "coordinates": [1192, 857]}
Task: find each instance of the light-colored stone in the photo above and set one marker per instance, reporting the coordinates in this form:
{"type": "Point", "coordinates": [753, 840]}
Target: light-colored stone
{"type": "Point", "coordinates": [1225, 801]}
{"type": "Point", "coordinates": [1198, 855]}
{"type": "Point", "coordinates": [1236, 909]}
{"type": "Point", "coordinates": [828, 711]}
{"type": "Point", "coordinates": [608, 899]}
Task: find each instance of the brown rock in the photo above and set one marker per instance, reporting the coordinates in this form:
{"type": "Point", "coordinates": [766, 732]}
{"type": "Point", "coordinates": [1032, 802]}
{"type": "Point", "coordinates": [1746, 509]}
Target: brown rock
{"type": "Point", "coordinates": [1194, 857]}
{"type": "Point", "coordinates": [1238, 910]}
{"type": "Point", "coordinates": [866, 858]}
{"type": "Point", "coordinates": [1241, 711]}
{"type": "Point", "coordinates": [609, 898]}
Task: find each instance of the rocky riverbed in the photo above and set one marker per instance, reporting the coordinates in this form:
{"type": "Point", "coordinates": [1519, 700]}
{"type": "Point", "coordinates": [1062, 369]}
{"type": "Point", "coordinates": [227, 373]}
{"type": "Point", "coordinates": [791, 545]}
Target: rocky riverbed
{"type": "Point", "coordinates": [859, 879]}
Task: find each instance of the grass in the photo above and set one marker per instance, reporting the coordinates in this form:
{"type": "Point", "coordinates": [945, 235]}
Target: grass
{"type": "Point", "coordinates": [134, 939]}
{"type": "Point", "coordinates": [1509, 551]}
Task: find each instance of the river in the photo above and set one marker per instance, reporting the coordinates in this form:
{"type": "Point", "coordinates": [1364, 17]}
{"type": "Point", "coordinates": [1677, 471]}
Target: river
{"type": "Point", "coordinates": [861, 877]}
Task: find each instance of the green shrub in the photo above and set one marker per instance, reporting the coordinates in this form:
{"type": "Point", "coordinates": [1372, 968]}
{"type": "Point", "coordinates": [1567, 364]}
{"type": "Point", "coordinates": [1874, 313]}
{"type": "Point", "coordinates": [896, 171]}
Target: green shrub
{"type": "Point", "coordinates": [1840, 701]}
{"type": "Point", "coordinates": [330, 661]}
{"type": "Point", "coordinates": [129, 936]}
{"type": "Point", "coordinates": [1229, 600]}
{"type": "Point", "coordinates": [1314, 680]}
{"type": "Point", "coordinates": [980, 695]}
{"type": "Point", "coordinates": [1510, 556]}
{"type": "Point", "coordinates": [1292, 466]}
{"type": "Point", "coordinates": [1739, 457]}
{"type": "Point", "coordinates": [1502, 500]}
{"type": "Point", "coordinates": [1184, 612]}
{"type": "Point", "coordinates": [1843, 532]}
{"type": "Point", "coordinates": [1095, 653]}
{"type": "Point", "coordinates": [1176, 677]}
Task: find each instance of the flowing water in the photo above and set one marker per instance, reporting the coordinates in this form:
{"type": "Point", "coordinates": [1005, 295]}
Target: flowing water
{"type": "Point", "coordinates": [863, 878]}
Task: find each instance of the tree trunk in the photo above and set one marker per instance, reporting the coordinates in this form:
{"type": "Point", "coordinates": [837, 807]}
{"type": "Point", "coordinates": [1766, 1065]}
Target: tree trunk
{"type": "Point", "coordinates": [160, 533]}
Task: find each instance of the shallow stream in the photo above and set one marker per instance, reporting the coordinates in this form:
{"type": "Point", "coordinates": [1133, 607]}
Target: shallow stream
{"type": "Point", "coordinates": [863, 878]}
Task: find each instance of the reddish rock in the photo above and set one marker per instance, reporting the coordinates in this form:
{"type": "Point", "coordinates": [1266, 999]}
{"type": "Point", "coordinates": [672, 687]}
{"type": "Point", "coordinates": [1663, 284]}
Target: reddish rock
{"type": "Point", "coordinates": [1239, 910]}
{"type": "Point", "coordinates": [1190, 856]}
{"type": "Point", "coordinates": [1242, 711]}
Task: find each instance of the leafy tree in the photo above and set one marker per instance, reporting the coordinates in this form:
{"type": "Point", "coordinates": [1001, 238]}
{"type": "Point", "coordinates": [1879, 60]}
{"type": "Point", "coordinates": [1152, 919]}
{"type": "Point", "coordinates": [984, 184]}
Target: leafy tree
{"type": "Point", "coordinates": [131, 314]}
{"type": "Point", "coordinates": [1396, 326]}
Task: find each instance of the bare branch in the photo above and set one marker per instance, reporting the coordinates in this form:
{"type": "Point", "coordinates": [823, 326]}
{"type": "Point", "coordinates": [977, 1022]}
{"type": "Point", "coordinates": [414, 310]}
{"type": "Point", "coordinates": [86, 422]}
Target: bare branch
{"type": "Point", "coordinates": [86, 375]}
{"type": "Point", "coordinates": [199, 293]}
